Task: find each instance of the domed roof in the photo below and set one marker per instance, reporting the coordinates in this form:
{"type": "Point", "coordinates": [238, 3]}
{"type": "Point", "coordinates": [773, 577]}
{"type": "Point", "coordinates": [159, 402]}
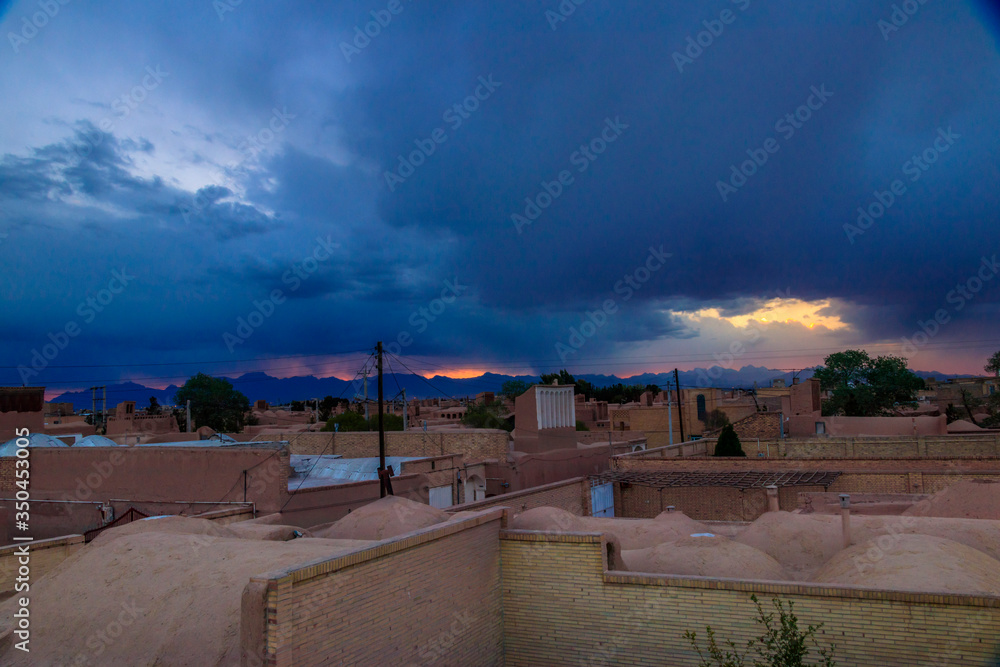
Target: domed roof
{"type": "Point", "coordinates": [913, 563]}
{"type": "Point", "coordinates": [9, 448]}
{"type": "Point", "coordinates": [706, 557]}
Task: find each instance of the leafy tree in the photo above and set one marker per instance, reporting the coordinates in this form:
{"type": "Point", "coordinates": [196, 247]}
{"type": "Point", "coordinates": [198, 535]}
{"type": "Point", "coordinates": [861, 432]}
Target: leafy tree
{"type": "Point", "coordinates": [487, 416]}
{"type": "Point", "coordinates": [729, 443]}
{"type": "Point", "coordinates": [154, 406]}
{"type": "Point", "coordinates": [580, 426]}
{"type": "Point", "coordinates": [716, 419]}
{"type": "Point", "coordinates": [348, 421]}
{"type": "Point", "coordinates": [513, 388]}
{"type": "Point", "coordinates": [971, 404]}
{"type": "Point", "coordinates": [326, 407]}
{"type": "Point", "coordinates": [563, 376]}
{"type": "Point", "coordinates": [214, 403]}
{"type": "Point", "coordinates": [298, 406]}
{"type": "Point", "coordinates": [866, 387]}
{"type": "Point", "coordinates": [993, 365]}
{"type": "Point", "coordinates": [389, 422]}
{"type": "Point", "coordinates": [585, 388]}
{"type": "Point", "coordinates": [781, 644]}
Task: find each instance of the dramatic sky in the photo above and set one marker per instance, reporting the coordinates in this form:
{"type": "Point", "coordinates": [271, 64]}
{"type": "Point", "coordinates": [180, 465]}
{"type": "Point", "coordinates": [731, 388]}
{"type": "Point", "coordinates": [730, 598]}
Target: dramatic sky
{"type": "Point", "coordinates": [167, 169]}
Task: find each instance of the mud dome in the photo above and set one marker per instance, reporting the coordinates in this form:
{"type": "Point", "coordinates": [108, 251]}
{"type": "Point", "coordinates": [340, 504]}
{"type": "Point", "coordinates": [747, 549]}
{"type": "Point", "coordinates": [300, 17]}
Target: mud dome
{"type": "Point", "coordinates": [382, 519]}
{"type": "Point", "coordinates": [706, 557]}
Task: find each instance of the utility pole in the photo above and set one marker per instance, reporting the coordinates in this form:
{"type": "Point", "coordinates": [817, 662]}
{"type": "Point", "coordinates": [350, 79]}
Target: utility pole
{"type": "Point", "coordinates": [680, 404]}
{"type": "Point", "coordinates": [104, 407]}
{"type": "Point", "coordinates": [316, 413]}
{"type": "Point", "coordinates": [366, 389]}
{"type": "Point", "coordinates": [381, 431]}
{"type": "Point", "coordinates": [189, 415]}
{"type": "Point", "coordinates": [93, 406]}
{"type": "Point", "coordinates": [406, 411]}
{"type": "Point", "coordinates": [670, 417]}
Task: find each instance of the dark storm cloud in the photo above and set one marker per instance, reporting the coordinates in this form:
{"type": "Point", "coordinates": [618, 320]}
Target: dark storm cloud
{"type": "Point", "coordinates": [500, 99]}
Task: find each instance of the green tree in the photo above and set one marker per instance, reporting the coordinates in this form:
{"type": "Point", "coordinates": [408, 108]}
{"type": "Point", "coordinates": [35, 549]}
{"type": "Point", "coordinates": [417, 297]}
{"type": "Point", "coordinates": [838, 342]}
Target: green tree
{"type": "Point", "coordinates": [214, 403]}
{"type": "Point", "coordinates": [487, 416]}
{"type": "Point", "coordinates": [993, 365]}
{"type": "Point", "coordinates": [716, 419]}
{"type": "Point", "coordinates": [348, 421]}
{"type": "Point", "coordinates": [864, 387]}
{"type": "Point", "coordinates": [298, 406]}
{"type": "Point", "coordinates": [580, 426]}
{"type": "Point", "coordinates": [154, 406]}
{"type": "Point", "coordinates": [729, 443]}
{"type": "Point", "coordinates": [781, 644]}
{"type": "Point", "coordinates": [513, 388]}
{"type": "Point", "coordinates": [586, 388]}
{"type": "Point", "coordinates": [563, 376]}
{"type": "Point", "coordinates": [389, 422]}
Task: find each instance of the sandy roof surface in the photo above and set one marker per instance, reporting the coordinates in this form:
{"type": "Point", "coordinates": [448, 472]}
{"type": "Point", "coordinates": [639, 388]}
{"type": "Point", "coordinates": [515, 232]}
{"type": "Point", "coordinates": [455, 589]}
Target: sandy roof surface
{"type": "Point", "coordinates": [151, 598]}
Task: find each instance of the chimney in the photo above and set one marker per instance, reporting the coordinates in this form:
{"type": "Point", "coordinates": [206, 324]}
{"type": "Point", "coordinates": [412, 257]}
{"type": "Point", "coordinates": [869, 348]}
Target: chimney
{"type": "Point", "coordinates": [795, 381]}
{"type": "Point", "coordinates": [772, 498]}
{"type": "Point", "coordinates": [845, 515]}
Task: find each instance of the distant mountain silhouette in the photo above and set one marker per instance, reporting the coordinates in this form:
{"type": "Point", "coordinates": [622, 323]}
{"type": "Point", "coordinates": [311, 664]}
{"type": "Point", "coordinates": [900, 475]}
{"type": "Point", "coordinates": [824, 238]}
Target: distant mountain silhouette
{"type": "Point", "coordinates": [277, 391]}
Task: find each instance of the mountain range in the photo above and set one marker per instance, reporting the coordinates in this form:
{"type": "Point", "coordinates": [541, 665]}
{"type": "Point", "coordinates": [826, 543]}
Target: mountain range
{"type": "Point", "coordinates": [278, 391]}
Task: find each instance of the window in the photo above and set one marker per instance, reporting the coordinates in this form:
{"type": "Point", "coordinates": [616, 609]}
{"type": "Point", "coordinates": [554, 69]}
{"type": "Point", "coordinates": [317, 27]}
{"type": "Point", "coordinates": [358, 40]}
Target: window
{"type": "Point", "coordinates": [702, 414]}
{"type": "Point", "coordinates": [820, 428]}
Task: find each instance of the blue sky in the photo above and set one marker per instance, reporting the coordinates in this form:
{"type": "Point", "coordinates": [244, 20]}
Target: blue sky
{"type": "Point", "coordinates": [266, 158]}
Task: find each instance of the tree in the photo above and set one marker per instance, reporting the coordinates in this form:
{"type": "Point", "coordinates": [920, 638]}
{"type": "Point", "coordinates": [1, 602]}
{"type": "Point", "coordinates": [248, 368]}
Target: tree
{"type": "Point", "coordinates": [298, 406]}
{"type": "Point", "coordinates": [487, 416]}
{"type": "Point", "coordinates": [716, 419]}
{"type": "Point", "coordinates": [864, 387]}
{"type": "Point", "coordinates": [580, 426]}
{"type": "Point", "coordinates": [154, 406]}
{"type": "Point", "coordinates": [348, 421]}
{"type": "Point", "coordinates": [993, 365]}
{"type": "Point", "coordinates": [513, 388]}
{"type": "Point", "coordinates": [562, 376]}
{"type": "Point", "coordinates": [214, 403]}
{"type": "Point", "coordinates": [781, 644]}
{"type": "Point", "coordinates": [585, 388]}
{"type": "Point", "coordinates": [729, 443]}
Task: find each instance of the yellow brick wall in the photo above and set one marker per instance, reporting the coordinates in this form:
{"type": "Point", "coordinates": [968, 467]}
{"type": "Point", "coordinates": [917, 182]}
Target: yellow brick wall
{"type": "Point", "coordinates": [44, 555]}
{"type": "Point", "coordinates": [561, 608]}
{"type": "Point", "coordinates": [432, 598]}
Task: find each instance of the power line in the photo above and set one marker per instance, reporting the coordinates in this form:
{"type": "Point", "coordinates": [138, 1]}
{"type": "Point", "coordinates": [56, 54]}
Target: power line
{"type": "Point", "coordinates": [196, 363]}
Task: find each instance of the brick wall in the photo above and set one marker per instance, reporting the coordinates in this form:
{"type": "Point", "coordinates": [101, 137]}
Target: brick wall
{"type": "Point", "coordinates": [44, 555]}
{"type": "Point", "coordinates": [573, 495]}
{"type": "Point", "coordinates": [474, 445]}
{"type": "Point", "coordinates": [433, 596]}
{"type": "Point", "coordinates": [641, 619]}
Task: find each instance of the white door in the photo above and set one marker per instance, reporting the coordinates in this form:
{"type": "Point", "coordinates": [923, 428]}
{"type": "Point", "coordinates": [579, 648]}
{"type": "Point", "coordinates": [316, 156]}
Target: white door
{"type": "Point", "coordinates": [440, 497]}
